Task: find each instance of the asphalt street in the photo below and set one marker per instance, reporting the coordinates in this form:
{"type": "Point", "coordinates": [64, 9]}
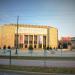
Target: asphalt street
{"type": "Point", "coordinates": [48, 63]}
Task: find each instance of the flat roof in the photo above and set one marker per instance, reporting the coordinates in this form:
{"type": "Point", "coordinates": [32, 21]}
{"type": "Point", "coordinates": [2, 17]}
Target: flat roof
{"type": "Point", "coordinates": [29, 25]}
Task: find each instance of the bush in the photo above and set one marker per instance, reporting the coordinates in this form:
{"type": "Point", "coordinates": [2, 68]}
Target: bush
{"type": "Point", "coordinates": [50, 48]}
{"type": "Point", "coordinates": [30, 47]}
{"type": "Point", "coordinates": [65, 45]}
{"type": "Point", "coordinates": [9, 47]}
{"type": "Point", "coordinates": [47, 48]}
{"type": "Point", "coordinates": [4, 47]}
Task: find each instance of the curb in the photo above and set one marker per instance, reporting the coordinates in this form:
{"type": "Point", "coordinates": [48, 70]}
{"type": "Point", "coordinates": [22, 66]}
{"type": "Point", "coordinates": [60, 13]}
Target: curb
{"type": "Point", "coordinates": [34, 72]}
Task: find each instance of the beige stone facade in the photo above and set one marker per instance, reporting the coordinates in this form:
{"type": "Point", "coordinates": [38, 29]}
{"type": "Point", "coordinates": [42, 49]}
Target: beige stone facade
{"type": "Point", "coordinates": [37, 36]}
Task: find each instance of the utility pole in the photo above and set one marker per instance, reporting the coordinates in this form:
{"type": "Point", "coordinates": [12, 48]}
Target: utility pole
{"type": "Point", "coordinates": [17, 36]}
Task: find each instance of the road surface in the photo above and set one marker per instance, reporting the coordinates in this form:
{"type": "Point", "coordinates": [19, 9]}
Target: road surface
{"type": "Point", "coordinates": [48, 63]}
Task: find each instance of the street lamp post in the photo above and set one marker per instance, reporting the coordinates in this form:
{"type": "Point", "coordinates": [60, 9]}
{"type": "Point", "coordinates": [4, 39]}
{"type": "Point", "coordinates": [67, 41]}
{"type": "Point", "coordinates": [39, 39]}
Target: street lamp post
{"type": "Point", "coordinates": [17, 37]}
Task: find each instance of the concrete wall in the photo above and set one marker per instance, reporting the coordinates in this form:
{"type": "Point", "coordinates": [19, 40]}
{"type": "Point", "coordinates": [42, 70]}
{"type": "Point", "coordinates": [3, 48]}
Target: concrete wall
{"type": "Point", "coordinates": [7, 36]}
{"type": "Point", "coordinates": [53, 37]}
{"type": "Point", "coordinates": [31, 30]}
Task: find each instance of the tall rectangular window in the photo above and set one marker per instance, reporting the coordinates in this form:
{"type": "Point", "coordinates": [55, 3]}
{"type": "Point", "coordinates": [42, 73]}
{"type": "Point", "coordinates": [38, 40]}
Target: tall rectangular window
{"type": "Point", "coordinates": [26, 39]}
{"type": "Point", "coordinates": [40, 40]}
{"type": "Point", "coordinates": [35, 39]}
{"type": "Point", "coordinates": [44, 41]}
{"type": "Point", "coordinates": [21, 39]}
{"type": "Point", "coordinates": [30, 39]}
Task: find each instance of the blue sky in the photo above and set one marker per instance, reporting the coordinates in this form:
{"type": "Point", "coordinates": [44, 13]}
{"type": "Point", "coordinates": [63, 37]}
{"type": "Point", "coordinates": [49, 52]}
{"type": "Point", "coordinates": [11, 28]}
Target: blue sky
{"type": "Point", "coordinates": [56, 13]}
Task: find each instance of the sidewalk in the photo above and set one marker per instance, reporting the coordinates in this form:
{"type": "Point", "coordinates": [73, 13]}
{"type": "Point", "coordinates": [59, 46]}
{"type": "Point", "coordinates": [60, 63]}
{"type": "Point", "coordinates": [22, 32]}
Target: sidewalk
{"type": "Point", "coordinates": [59, 53]}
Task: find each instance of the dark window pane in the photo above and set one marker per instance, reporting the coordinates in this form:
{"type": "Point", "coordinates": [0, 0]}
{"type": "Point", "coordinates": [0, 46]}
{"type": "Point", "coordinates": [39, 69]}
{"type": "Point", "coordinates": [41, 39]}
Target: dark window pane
{"type": "Point", "coordinates": [25, 46]}
{"type": "Point", "coordinates": [26, 39]}
{"type": "Point", "coordinates": [34, 46]}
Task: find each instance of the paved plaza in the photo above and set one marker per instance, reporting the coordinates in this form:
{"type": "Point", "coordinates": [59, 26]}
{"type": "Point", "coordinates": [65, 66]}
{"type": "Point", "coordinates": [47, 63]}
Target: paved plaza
{"type": "Point", "coordinates": [58, 53]}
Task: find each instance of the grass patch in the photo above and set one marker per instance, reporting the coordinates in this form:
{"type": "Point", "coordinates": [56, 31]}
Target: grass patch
{"type": "Point", "coordinates": [37, 58]}
{"type": "Point", "coordinates": [39, 69]}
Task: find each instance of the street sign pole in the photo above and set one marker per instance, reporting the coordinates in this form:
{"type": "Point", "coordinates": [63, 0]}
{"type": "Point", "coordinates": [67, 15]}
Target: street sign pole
{"type": "Point", "coordinates": [10, 58]}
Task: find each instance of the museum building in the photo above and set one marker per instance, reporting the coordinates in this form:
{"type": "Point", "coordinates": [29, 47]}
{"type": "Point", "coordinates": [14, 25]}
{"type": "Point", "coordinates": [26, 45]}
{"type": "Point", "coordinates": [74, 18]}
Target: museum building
{"type": "Point", "coordinates": [37, 36]}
